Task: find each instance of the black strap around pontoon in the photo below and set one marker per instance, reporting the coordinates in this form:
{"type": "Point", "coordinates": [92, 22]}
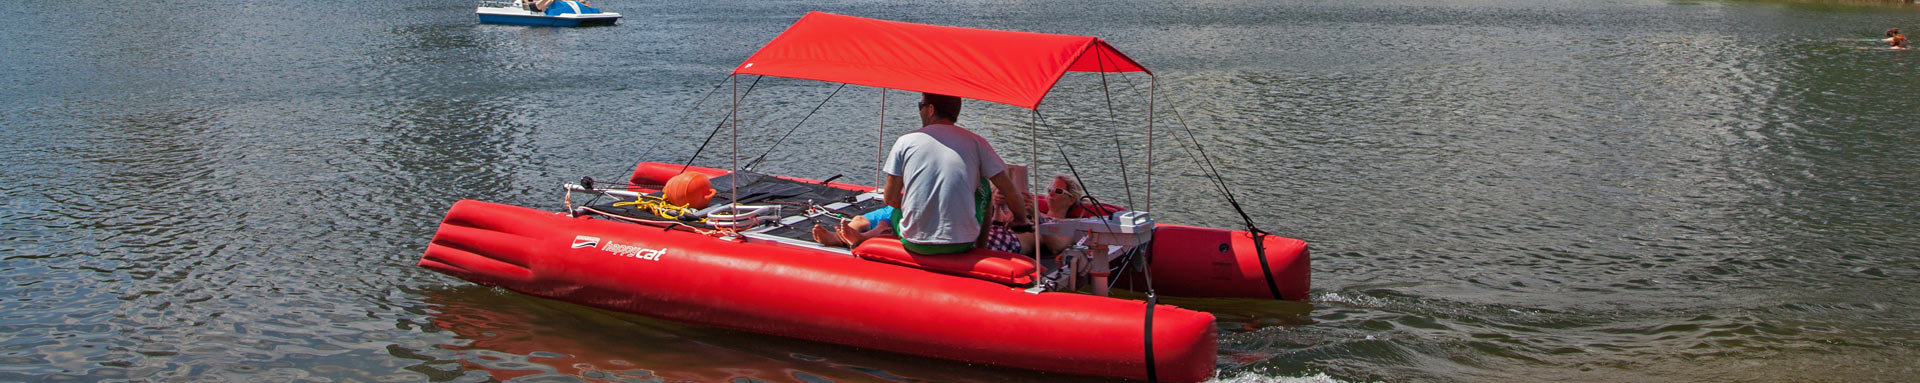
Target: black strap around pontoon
{"type": "Point", "coordinates": [1219, 180]}
{"type": "Point", "coordinates": [1260, 248]}
{"type": "Point", "coordinates": [1151, 375]}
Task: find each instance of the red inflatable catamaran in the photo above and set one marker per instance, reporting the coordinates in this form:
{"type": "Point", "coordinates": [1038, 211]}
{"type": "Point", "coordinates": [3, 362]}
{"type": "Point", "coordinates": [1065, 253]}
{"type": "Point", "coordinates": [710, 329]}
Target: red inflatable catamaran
{"type": "Point", "coordinates": [748, 262]}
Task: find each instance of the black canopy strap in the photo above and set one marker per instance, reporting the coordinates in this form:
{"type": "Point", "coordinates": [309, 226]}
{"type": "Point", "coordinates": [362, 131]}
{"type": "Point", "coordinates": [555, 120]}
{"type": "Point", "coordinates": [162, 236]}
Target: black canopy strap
{"type": "Point", "coordinates": [796, 126]}
{"type": "Point", "coordinates": [1096, 207]}
{"type": "Point", "coordinates": [1084, 193]}
{"type": "Point", "coordinates": [1118, 151]}
{"type": "Point", "coordinates": [683, 117]}
{"type": "Point", "coordinates": [716, 127]}
{"type": "Point", "coordinates": [1218, 179]}
{"type": "Point", "coordinates": [1152, 376]}
{"type": "Point", "coordinates": [1259, 236]}
{"type": "Point", "coordinates": [1147, 268]}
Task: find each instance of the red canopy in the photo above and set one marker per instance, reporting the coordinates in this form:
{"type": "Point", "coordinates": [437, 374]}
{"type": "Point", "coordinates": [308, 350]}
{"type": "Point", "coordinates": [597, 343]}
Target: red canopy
{"type": "Point", "coordinates": [1013, 68]}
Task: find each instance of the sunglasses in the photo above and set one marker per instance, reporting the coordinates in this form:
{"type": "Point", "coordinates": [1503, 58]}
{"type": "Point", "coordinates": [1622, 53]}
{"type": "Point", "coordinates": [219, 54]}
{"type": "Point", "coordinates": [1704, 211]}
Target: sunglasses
{"type": "Point", "coordinates": [924, 104]}
{"type": "Point", "coordinates": [1057, 191]}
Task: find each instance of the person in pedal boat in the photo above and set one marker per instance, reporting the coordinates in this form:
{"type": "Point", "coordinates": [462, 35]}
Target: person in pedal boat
{"type": "Point", "coordinates": [541, 5]}
{"type": "Point", "coordinates": [937, 181]}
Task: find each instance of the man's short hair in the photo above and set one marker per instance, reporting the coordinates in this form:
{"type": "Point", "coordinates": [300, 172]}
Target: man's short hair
{"type": "Point", "coordinates": [944, 106]}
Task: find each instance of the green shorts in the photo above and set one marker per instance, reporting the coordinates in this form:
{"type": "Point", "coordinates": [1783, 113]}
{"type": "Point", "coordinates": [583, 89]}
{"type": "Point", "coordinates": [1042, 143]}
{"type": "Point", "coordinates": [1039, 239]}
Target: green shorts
{"type": "Point", "coordinates": [982, 198]}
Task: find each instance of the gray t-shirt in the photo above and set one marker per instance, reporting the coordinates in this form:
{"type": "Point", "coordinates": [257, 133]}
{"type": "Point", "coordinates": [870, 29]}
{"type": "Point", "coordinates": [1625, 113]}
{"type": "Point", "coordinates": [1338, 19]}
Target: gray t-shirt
{"type": "Point", "coordinates": [941, 167]}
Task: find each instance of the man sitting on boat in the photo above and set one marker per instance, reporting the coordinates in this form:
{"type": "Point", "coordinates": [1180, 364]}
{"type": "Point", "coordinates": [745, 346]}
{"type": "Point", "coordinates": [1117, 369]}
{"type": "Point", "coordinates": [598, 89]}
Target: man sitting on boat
{"type": "Point", "coordinates": [999, 237]}
{"type": "Point", "coordinates": [937, 182]}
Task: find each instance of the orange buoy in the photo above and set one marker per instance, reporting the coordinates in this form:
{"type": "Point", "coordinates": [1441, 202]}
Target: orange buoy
{"type": "Point", "coordinates": [689, 189]}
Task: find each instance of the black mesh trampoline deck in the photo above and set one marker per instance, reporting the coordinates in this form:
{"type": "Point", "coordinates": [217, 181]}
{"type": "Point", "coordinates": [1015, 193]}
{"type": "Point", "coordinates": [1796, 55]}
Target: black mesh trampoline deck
{"type": "Point", "coordinates": [802, 205]}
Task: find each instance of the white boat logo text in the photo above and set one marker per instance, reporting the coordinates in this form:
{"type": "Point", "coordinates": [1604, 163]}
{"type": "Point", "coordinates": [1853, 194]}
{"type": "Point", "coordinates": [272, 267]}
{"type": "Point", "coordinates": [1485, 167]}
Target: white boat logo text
{"type": "Point", "coordinates": [634, 251]}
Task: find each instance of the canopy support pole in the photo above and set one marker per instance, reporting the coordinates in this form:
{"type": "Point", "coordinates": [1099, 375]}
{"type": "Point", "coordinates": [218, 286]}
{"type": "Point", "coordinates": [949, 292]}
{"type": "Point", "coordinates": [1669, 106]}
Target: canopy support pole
{"type": "Point", "coordinates": [1151, 82]}
{"type": "Point", "coordinates": [733, 115]}
{"type": "Point", "coordinates": [880, 137]}
{"type": "Point", "coordinates": [1033, 172]}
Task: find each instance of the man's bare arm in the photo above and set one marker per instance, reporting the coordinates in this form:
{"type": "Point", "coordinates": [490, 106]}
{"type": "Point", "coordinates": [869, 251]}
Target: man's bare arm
{"type": "Point", "coordinates": [893, 196]}
{"type": "Point", "coordinates": [1004, 181]}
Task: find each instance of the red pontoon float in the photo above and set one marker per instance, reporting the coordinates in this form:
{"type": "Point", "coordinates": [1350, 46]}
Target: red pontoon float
{"type": "Point", "coordinates": [748, 263]}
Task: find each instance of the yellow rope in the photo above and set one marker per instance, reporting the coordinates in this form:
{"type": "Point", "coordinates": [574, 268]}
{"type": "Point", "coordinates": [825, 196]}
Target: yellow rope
{"type": "Point", "coordinates": [660, 207]}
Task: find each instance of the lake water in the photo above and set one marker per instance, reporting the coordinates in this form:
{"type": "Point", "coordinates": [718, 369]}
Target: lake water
{"type": "Point", "coordinates": [1494, 190]}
